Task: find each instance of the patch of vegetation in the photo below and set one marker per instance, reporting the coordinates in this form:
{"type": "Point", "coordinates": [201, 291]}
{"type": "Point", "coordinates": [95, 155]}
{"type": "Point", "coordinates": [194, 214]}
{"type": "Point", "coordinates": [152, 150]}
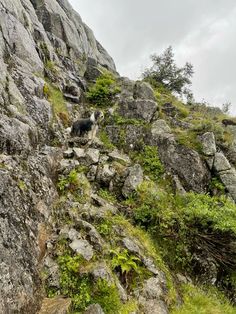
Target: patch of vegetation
{"type": "Point", "coordinates": [105, 228]}
{"type": "Point", "coordinates": [44, 48]}
{"type": "Point", "coordinates": [207, 125]}
{"type": "Point", "coordinates": [106, 141]}
{"type": "Point", "coordinates": [55, 97]}
{"type": "Point", "coordinates": [22, 186]}
{"type": "Point", "coordinates": [188, 138]}
{"type": "Point", "coordinates": [102, 93]}
{"type": "Point", "coordinates": [107, 296]}
{"type": "Point", "coordinates": [83, 290]}
{"type": "Point", "coordinates": [51, 66]}
{"type": "Point", "coordinates": [203, 301]}
{"type": "Point", "coordinates": [2, 165]}
{"type": "Point", "coordinates": [181, 224]}
{"type": "Point", "coordinates": [130, 307]}
{"type": "Point", "coordinates": [164, 96]}
{"type": "Point", "coordinates": [149, 160]}
{"type": "Point", "coordinates": [151, 250]}
{"type": "Point", "coordinates": [125, 264]}
{"type": "Point", "coordinates": [216, 187]}
{"type": "Point", "coordinates": [75, 183]}
{"type": "Point", "coordinates": [107, 195]}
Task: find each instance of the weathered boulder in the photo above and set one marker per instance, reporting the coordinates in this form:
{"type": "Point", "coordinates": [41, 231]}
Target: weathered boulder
{"type": "Point", "coordinates": [101, 271]}
{"type": "Point", "coordinates": [94, 309]}
{"type": "Point", "coordinates": [141, 109]}
{"type": "Point", "coordinates": [57, 305]}
{"type": "Point", "coordinates": [160, 127]}
{"type": "Point", "coordinates": [134, 179]}
{"type": "Point", "coordinates": [185, 163]}
{"type": "Point", "coordinates": [88, 156]}
{"type": "Point", "coordinates": [208, 144]}
{"type": "Point", "coordinates": [143, 90]}
{"type": "Point", "coordinates": [105, 173]}
{"type": "Point", "coordinates": [153, 294]}
{"type": "Point", "coordinates": [228, 177]}
{"type": "Point", "coordinates": [119, 157]}
{"type": "Point", "coordinates": [82, 247]}
{"type": "Point", "coordinates": [221, 163]}
{"type": "Point", "coordinates": [127, 88]}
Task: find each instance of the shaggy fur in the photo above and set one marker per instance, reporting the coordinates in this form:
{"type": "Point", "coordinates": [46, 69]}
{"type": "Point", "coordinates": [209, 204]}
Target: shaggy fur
{"type": "Point", "coordinates": [87, 126]}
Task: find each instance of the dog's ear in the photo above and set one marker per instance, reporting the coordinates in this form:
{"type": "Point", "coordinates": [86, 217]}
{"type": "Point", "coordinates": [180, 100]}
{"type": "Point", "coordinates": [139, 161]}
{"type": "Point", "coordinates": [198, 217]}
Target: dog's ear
{"type": "Point", "coordinates": [96, 115]}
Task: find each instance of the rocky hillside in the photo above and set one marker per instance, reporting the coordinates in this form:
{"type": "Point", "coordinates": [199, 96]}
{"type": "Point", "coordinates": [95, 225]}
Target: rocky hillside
{"type": "Point", "coordinates": [143, 220]}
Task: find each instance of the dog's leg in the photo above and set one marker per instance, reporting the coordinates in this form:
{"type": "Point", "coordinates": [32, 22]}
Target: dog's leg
{"type": "Point", "coordinates": [91, 135]}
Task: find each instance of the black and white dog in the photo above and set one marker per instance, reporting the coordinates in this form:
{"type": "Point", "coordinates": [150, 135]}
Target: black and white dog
{"type": "Point", "coordinates": [87, 126]}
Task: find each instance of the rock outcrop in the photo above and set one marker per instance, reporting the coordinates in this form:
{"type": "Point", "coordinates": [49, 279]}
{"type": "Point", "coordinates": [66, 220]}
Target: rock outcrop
{"type": "Point", "coordinates": [67, 219]}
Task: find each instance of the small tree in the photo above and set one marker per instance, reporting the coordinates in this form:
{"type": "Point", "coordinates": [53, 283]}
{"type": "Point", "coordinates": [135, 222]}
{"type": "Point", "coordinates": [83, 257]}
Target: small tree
{"type": "Point", "coordinates": [164, 71]}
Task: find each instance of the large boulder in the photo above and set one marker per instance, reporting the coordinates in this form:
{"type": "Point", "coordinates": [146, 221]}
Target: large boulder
{"type": "Point", "coordinates": [186, 163]}
{"type": "Point", "coordinates": [134, 179]}
{"type": "Point", "coordinates": [143, 90]}
{"type": "Point", "coordinates": [153, 294]}
{"type": "Point", "coordinates": [208, 144]}
{"type": "Point", "coordinates": [141, 109]}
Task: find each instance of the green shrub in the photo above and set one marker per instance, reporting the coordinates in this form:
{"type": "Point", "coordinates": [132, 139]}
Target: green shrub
{"type": "Point", "coordinates": [103, 91]}
{"type": "Point", "coordinates": [73, 285]}
{"type": "Point", "coordinates": [77, 184]}
{"type": "Point", "coordinates": [70, 182]}
{"type": "Point", "coordinates": [149, 160]}
{"type": "Point", "coordinates": [82, 289]}
{"type": "Point", "coordinates": [107, 296]}
{"type": "Point", "coordinates": [180, 224]}
{"type": "Point", "coordinates": [216, 187]}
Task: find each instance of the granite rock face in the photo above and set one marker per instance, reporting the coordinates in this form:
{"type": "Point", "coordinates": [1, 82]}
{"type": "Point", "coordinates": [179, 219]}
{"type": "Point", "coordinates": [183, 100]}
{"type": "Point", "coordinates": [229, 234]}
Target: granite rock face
{"type": "Point", "coordinates": [34, 35]}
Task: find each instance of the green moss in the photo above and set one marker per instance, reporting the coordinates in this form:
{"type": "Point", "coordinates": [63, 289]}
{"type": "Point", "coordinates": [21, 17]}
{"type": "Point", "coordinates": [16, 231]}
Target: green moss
{"type": "Point", "coordinates": [199, 301]}
{"type": "Point", "coordinates": [216, 186]}
{"type": "Point", "coordinates": [22, 186]}
{"type": "Point", "coordinates": [103, 91]}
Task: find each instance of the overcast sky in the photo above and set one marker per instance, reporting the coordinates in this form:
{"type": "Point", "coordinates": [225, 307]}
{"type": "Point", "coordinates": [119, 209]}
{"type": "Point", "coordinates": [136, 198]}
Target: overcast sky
{"type": "Point", "coordinates": [202, 32]}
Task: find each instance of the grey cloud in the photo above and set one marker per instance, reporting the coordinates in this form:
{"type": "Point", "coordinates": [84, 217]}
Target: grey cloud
{"type": "Point", "coordinates": [202, 32]}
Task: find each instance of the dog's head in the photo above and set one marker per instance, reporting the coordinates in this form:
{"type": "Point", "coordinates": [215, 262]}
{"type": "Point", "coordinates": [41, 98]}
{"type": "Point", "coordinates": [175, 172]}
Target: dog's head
{"type": "Point", "coordinates": [99, 116]}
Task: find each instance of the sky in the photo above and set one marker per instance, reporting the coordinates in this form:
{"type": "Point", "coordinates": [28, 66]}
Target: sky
{"type": "Point", "coordinates": [201, 32]}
